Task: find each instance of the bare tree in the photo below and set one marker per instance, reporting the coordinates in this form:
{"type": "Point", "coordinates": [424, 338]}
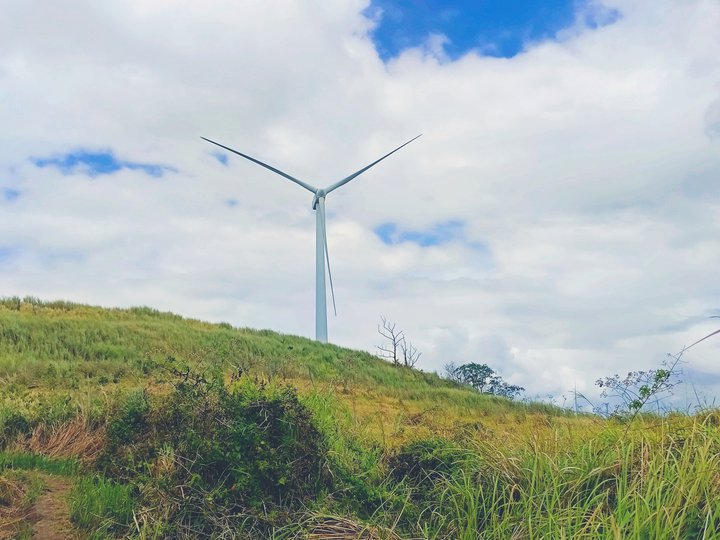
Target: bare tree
{"type": "Point", "coordinates": [395, 339]}
{"type": "Point", "coordinates": [410, 354]}
{"type": "Point", "coordinates": [451, 372]}
{"type": "Point", "coordinates": [397, 347]}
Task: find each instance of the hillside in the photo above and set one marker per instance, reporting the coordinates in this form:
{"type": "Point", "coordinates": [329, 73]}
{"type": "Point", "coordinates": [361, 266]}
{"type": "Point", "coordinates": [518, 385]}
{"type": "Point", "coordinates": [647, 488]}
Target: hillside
{"type": "Point", "coordinates": [58, 348]}
{"type": "Point", "coordinates": [164, 427]}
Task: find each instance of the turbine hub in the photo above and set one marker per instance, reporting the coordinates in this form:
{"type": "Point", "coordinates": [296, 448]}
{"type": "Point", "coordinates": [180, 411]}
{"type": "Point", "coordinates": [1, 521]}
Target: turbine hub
{"type": "Point", "coordinates": [319, 194]}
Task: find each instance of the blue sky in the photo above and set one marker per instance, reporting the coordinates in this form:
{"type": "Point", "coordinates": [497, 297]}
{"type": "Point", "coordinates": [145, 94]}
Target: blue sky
{"type": "Point", "coordinates": [7, 252]}
{"type": "Point", "coordinates": [10, 194]}
{"type": "Point", "coordinates": [97, 163]}
{"type": "Point", "coordinates": [496, 28]}
{"type": "Point", "coordinates": [438, 234]}
{"type": "Point", "coordinates": [221, 157]}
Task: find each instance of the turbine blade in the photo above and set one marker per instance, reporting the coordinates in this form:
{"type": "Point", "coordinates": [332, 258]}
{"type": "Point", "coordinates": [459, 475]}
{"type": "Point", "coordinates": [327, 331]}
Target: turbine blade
{"type": "Point", "coordinates": [269, 167]}
{"type": "Point", "coordinates": [358, 173]}
{"type": "Point", "coordinates": [327, 258]}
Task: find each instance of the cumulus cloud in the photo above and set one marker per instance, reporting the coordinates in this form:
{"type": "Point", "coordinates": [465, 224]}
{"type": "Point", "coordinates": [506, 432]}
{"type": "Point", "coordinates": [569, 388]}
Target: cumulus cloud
{"type": "Point", "coordinates": [586, 167]}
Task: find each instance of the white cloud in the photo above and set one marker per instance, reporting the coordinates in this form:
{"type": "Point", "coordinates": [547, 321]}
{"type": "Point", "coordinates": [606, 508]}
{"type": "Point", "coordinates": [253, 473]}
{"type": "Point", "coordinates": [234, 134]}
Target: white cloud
{"type": "Point", "coordinates": [588, 166]}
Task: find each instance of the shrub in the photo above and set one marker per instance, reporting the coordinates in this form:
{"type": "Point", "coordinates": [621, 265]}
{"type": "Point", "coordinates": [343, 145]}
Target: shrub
{"type": "Point", "coordinates": [210, 451]}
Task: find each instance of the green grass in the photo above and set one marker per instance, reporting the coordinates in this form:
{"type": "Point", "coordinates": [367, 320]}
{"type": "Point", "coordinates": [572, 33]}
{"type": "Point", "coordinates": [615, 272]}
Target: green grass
{"type": "Point", "coordinates": [100, 505]}
{"type": "Point", "coordinates": [28, 461]}
{"type": "Point", "coordinates": [61, 345]}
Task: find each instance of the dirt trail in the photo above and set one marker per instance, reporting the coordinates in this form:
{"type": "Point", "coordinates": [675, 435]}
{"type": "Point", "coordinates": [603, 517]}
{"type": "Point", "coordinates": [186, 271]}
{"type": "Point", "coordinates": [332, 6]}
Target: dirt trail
{"type": "Point", "coordinates": [50, 514]}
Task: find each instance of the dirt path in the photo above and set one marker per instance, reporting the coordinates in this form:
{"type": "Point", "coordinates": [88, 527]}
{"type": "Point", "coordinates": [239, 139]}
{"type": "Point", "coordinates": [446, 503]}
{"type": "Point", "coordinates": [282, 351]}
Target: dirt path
{"type": "Point", "coordinates": [50, 514]}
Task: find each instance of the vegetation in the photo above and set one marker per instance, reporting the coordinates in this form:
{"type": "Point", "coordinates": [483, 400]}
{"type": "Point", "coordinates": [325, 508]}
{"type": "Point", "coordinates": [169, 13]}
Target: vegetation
{"type": "Point", "coordinates": [19, 490]}
{"type": "Point", "coordinates": [396, 347]}
{"type": "Point", "coordinates": [482, 378]}
{"type": "Point", "coordinates": [173, 428]}
{"type": "Point", "coordinates": [27, 461]}
{"type": "Point", "coordinates": [215, 455]}
{"type": "Point", "coordinates": [101, 507]}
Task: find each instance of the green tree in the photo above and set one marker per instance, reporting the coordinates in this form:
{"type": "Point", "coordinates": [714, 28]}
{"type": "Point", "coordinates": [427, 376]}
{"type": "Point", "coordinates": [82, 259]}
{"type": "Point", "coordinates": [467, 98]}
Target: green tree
{"type": "Point", "coordinates": [483, 378]}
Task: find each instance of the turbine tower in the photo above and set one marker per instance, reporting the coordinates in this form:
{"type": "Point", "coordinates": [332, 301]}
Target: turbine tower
{"type": "Point", "coordinates": [321, 255]}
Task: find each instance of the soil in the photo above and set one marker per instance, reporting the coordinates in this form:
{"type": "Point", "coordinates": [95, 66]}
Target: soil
{"type": "Point", "coordinates": [50, 515]}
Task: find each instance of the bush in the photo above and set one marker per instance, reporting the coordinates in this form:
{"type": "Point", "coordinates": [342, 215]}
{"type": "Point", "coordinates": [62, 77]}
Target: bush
{"type": "Point", "coordinates": [209, 451]}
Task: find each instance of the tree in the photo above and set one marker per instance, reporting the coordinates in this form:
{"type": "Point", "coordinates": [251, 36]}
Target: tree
{"type": "Point", "coordinates": [409, 353]}
{"type": "Point", "coordinates": [397, 348]}
{"type": "Point", "coordinates": [476, 375]}
{"type": "Point", "coordinates": [451, 372]}
{"type": "Point", "coordinates": [498, 387]}
{"type": "Point", "coordinates": [390, 350]}
{"type": "Point", "coordinates": [482, 378]}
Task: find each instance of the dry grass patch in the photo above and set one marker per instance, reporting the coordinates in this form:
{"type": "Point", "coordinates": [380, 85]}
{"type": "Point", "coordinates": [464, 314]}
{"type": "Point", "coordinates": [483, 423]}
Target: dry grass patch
{"type": "Point", "coordinates": [340, 528]}
{"type": "Point", "coordinates": [76, 439]}
{"type": "Point", "coordinates": [12, 510]}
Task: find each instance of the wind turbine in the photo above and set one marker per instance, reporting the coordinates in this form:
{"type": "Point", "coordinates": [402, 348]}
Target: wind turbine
{"type": "Point", "coordinates": [321, 255]}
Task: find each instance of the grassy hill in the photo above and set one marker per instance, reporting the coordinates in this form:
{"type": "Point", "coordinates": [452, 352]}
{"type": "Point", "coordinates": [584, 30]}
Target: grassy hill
{"type": "Point", "coordinates": [81, 353]}
{"type": "Point", "coordinates": [167, 427]}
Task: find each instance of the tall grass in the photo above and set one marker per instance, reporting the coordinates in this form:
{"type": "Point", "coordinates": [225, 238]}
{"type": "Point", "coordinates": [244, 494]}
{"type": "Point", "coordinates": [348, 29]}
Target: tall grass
{"type": "Point", "coordinates": [646, 486]}
{"type": "Point", "coordinates": [100, 505]}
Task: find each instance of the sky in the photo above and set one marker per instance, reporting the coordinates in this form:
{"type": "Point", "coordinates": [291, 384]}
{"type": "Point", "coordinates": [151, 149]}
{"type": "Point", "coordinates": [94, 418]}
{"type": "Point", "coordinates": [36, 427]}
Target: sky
{"type": "Point", "coordinates": [559, 219]}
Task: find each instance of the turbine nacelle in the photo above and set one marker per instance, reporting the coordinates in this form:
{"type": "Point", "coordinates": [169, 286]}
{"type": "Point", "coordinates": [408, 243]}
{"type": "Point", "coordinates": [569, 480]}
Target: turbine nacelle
{"type": "Point", "coordinates": [321, 255]}
{"type": "Point", "coordinates": [319, 194]}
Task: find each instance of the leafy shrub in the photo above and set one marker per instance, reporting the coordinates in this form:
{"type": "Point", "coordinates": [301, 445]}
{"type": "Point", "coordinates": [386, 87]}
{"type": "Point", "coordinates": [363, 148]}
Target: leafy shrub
{"type": "Point", "coordinates": [210, 450]}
